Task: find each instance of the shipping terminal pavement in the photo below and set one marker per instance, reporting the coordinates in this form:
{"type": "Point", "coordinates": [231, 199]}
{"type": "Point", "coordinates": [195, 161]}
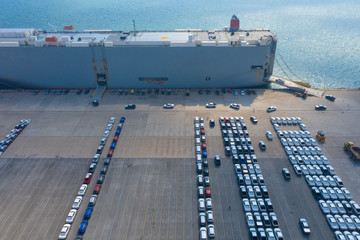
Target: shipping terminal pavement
{"type": "Point", "coordinates": [150, 189]}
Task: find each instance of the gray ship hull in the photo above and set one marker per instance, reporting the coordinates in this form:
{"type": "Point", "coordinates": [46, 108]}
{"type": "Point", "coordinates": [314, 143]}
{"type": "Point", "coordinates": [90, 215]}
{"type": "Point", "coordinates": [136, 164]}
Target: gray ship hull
{"type": "Point", "coordinates": [136, 66]}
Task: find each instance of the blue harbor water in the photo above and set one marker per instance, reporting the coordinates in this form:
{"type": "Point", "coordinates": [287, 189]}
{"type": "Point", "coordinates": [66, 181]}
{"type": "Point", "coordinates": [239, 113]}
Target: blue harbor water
{"type": "Point", "coordinates": [318, 41]}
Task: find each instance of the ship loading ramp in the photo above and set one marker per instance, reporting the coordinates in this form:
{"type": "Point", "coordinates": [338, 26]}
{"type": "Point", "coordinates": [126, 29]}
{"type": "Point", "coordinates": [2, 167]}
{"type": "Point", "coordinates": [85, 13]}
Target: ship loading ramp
{"type": "Point", "coordinates": [296, 86]}
{"type": "Point", "coordinates": [99, 91]}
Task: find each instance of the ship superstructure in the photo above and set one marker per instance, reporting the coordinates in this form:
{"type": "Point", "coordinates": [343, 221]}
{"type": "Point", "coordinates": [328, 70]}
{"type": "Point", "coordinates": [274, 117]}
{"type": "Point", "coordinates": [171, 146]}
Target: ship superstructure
{"type": "Point", "coordinates": [184, 58]}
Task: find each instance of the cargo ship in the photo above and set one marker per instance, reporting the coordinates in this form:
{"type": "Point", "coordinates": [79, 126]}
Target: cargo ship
{"type": "Point", "coordinates": [183, 58]}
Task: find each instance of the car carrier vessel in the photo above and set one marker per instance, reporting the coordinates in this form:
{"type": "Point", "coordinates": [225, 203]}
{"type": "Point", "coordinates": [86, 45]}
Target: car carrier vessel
{"type": "Point", "coordinates": [183, 58]}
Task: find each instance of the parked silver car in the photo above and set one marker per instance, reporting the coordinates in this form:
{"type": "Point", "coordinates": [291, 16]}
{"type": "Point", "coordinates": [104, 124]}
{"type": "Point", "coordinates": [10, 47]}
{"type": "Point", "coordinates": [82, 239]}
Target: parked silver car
{"type": "Point", "coordinates": [332, 222]}
{"type": "Point", "coordinates": [71, 216]}
{"type": "Point", "coordinates": [201, 204]}
{"type": "Point", "coordinates": [250, 220]}
{"type": "Point", "coordinates": [77, 202]}
{"type": "Point", "coordinates": [82, 189]}
{"type": "Point", "coordinates": [324, 207]}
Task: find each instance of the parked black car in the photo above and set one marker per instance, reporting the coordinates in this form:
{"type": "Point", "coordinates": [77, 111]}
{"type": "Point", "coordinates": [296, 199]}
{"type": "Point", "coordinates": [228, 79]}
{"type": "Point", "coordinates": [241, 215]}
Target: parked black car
{"type": "Point", "coordinates": [130, 106]}
{"type": "Point", "coordinates": [330, 97]}
{"type": "Point", "coordinates": [320, 107]}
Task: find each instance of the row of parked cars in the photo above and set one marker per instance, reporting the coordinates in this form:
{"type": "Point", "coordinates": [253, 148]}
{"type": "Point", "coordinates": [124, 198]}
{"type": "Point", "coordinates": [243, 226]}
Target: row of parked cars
{"type": "Point", "coordinates": [292, 142]}
{"type": "Point", "coordinates": [259, 212]}
{"type": "Point", "coordinates": [78, 200]}
{"type": "Point", "coordinates": [149, 91]}
{"type": "Point", "coordinates": [286, 120]}
{"type": "Point", "coordinates": [60, 91]}
{"type": "Point", "coordinates": [164, 91]}
{"type": "Point", "coordinates": [234, 106]}
{"type": "Point", "coordinates": [236, 140]}
{"type": "Point", "coordinates": [104, 169]}
{"type": "Point", "coordinates": [307, 159]}
{"type": "Point", "coordinates": [206, 215]}
{"type": "Point", "coordinates": [4, 144]}
{"type": "Point", "coordinates": [300, 143]}
{"type": "Point", "coordinates": [235, 92]}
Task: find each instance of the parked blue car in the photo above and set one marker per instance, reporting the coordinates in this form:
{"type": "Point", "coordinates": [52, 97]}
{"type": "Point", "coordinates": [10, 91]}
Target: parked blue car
{"type": "Point", "coordinates": [204, 153]}
{"type": "Point", "coordinates": [88, 213]}
{"type": "Point", "coordinates": [113, 145]}
{"type": "Point", "coordinates": [83, 227]}
{"type": "Point", "coordinates": [118, 131]}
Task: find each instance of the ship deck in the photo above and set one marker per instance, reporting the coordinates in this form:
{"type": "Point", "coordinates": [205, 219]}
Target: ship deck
{"type": "Point", "coordinates": [180, 37]}
{"type": "Point", "coordinates": [150, 189]}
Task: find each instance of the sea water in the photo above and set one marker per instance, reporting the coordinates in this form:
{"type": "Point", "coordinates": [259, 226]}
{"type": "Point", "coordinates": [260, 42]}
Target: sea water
{"type": "Point", "coordinates": [318, 41]}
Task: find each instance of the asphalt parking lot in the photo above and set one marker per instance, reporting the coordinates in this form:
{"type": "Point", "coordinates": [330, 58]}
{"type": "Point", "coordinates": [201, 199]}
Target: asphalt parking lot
{"type": "Point", "coordinates": [229, 215]}
{"type": "Point", "coordinates": [150, 189]}
{"type": "Point", "coordinates": [291, 199]}
{"type": "Point", "coordinates": [146, 199]}
{"type": "Point", "coordinates": [36, 195]}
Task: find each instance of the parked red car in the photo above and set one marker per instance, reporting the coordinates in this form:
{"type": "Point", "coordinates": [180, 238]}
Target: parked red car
{"type": "Point", "coordinates": [97, 189]}
{"type": "Point", "coordinates": [110, 153]}
{"type": "Point", "coordinates": [116, 138]}
{"type": "Point", "coordinates": [87, 178]}
{"type": "Point", "coordinates": [203, 146]}
{"type": "Point", "coordinates": [202, 132]}
{"type": "Point", "coordinates": [207, 192]}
